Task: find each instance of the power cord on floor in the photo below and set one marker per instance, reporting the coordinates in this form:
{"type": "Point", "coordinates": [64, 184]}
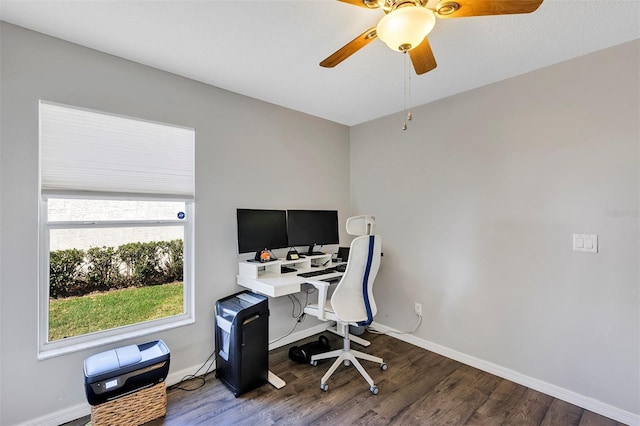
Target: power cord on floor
{"type": "Point", "coordinates": [374, 331]}
{"type": "Point", "coordinates": [201, 379]}
{"type": "Point", "coordinates": [300, 316]}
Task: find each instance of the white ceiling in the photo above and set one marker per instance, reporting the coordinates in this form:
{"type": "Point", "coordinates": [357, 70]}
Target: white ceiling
{"type": "Point", "coordinates": [270, 50]}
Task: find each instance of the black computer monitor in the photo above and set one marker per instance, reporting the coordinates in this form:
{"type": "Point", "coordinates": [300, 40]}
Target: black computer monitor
{"type": "Point", "coordinates": [261, 229]}
{"type": "Point", "coordinates": [312, 227]}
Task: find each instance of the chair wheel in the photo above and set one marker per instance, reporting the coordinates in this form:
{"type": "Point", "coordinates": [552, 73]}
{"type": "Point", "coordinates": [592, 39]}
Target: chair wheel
{"type": "Point", "coordinates": [324, 387]}
{"type": "Point", "coordinates": [314, 363]}
{"type": "Point", "coordinates": [383, 367]}
{"type": "Point", "coordinates": [347, 363]}
{"type": "Point", "coordinates": [374, 390]}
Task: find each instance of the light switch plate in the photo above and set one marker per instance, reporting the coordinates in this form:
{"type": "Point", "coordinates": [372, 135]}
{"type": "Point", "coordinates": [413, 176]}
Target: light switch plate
{"type": "Point", "coordinates": [585, 242]}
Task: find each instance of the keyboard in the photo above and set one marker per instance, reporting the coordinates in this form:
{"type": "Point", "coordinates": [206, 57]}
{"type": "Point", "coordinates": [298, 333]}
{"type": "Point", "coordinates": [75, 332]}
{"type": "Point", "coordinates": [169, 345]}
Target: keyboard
{"type": "Point", "coordinates": [316, 273]}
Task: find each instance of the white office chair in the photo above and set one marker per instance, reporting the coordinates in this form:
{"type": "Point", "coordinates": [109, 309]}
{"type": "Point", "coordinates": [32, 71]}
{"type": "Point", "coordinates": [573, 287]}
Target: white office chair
{"type": "Point", "coordinates": [352, 301]}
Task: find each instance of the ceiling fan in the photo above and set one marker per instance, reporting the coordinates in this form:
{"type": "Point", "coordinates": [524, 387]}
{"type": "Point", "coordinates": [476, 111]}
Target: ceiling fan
{"type": "Point", "coordinates": [406, 24]}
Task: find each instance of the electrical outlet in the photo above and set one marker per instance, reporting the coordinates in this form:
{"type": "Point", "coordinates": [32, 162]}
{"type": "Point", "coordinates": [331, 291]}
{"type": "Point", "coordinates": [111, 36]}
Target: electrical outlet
{"type": "Point", "coordinates": [418, 309]}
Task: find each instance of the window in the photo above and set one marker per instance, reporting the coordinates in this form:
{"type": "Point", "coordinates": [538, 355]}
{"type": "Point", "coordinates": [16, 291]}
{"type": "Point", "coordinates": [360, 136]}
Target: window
{"type": "Point", "coordinates": [116, 225]}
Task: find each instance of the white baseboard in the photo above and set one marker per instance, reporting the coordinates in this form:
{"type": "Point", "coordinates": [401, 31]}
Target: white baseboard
{"type": "Point", "coordinates": [571, 397]}
{"type": "Point", "coordinates": [302, 334]}
{"type": "Point", "coordinates": [84, 409]}
{"type": "Point", "coordinates": [59, 417]}
{"type": "Point", "coordinates": [81, 410]}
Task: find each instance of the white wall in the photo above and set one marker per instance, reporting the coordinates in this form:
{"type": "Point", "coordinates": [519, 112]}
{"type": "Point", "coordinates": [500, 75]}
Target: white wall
{"type": "Point", "coordinates": [477, 203]}
{"type": "Point", "coordinates": [248, 154]}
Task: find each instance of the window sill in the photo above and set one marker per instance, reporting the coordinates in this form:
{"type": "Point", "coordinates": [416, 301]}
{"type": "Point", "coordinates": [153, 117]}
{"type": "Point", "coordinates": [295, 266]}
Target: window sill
{"type": "Point", "coordinates": [67, 346]}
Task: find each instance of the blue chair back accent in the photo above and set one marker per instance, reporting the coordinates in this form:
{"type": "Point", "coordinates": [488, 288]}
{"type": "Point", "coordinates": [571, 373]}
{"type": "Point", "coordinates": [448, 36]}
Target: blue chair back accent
{"type": "Point", "coordinates": [353, 301]}
{"type": "Point", "coordinates": [365, 284]}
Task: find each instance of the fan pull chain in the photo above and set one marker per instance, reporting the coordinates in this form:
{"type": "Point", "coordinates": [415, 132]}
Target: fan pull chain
{"type": "Point", "coordinates": [407, 91]}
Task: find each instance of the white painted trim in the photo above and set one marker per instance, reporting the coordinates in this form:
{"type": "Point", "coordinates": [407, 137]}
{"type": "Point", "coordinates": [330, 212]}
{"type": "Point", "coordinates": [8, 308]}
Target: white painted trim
{"type": "Point", "coordinates": [302, 334]}
{"type": "Point", "coordinates": [567, 395]}
{"type": "Point", "coordinates": [84, 409]}
{"type": "Point", "coordinates": [81, 410]}
{"type": "Point", "coordinates": [59, 417]}
{"type": "Point", "coordinates": [134, 331]}
{"type": "Point", "coordinates": [95, 339]}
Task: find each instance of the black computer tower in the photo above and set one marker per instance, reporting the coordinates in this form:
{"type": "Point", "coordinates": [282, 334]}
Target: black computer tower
{"type": "Point", "coordinates": [242, 341]}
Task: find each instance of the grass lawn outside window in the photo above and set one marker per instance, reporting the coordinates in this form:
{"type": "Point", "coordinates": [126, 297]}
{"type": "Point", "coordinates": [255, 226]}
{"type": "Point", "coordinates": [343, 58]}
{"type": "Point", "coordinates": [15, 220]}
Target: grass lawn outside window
{"type": "Point", "coordinates": [75, 316]}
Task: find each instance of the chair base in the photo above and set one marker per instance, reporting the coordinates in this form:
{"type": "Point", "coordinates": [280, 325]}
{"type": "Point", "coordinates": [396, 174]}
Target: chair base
{"type": "Point", "coordinates": [348, 356]}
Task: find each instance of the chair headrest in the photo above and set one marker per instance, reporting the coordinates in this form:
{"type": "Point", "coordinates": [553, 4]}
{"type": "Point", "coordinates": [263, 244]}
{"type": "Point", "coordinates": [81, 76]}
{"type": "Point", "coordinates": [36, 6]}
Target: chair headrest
{"type": "Point", "coordinates": [361, 225]}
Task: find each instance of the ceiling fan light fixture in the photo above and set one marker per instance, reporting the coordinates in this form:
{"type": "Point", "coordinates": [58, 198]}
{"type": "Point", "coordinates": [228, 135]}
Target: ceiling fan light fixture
{"type": "Point", "coordinates": [406, 27]}
{"type": "Point", "coordinates": [447, 8]}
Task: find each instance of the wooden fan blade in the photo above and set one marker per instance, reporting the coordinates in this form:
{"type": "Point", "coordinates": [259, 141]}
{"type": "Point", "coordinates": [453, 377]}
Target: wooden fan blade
{"type": "Point", "coordinates": [463, 8]}
{"type": "Point", "coordinates": [369, 4]}
{"type": "Point", "coordinates": [422, 57]}
{"type": "Point", "coordinates": [350, 48]}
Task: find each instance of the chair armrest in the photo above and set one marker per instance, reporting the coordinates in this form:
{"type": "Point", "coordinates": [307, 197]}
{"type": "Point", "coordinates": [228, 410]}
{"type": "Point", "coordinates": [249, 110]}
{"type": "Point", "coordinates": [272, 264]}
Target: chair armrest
{"type": "Point", "coordinates": [323, 290]}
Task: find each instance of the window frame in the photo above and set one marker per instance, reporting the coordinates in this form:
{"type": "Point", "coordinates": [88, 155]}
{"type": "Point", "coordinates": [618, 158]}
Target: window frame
{"type": "Point", "coordinates": [47, 349]}
{"type": "Point", "coordinates": [89, 128]}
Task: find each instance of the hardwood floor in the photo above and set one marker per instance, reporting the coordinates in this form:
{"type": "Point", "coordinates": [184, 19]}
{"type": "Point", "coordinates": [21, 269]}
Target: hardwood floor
{"type": "Point", "coordinates": [419, 388]}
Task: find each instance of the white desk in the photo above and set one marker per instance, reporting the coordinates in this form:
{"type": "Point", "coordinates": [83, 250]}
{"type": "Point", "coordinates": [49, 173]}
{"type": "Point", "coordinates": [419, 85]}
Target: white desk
{"type": "Point", "coordinates": [266, 278]}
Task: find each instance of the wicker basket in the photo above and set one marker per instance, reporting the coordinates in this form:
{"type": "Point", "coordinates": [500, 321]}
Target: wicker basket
{"type": "Point", "coordinates": [134, 409]}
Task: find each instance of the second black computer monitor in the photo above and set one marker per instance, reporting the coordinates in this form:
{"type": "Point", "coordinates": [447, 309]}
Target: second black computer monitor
{"type": "Point", "coordinates": [311, 228]}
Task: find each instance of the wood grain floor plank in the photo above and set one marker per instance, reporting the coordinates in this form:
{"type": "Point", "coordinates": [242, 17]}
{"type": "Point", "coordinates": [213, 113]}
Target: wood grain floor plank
{"type": "Point", "coordinates": [590, 418]}
{"type": "Point", "coordinates": [562, 413]}
{"type": "Point", "coordinates": [530, 409]}
{"type": "Point", "coordinates": [500, 403]}
{"type": "Point", "coordinates": [453, 400]}
{"type": "Point", "coordinates": [419, 388]}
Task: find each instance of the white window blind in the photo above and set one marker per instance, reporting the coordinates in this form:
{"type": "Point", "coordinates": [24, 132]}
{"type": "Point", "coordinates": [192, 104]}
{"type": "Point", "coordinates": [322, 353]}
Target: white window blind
{"type": "Point", "coordinates": [88, 153]}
